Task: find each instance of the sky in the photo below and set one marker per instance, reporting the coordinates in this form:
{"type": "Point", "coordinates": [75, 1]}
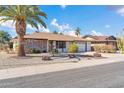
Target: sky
{"type": "Point", "coordinates": [94, 20]}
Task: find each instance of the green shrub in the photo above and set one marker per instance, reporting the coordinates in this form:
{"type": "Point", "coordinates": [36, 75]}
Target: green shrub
{"type": "Point", "coordinates": [36, 51]}
{"type": "Point", "coordinates": [10, 45]}
{"type": "Point", "coordinates": [73, 48]}
{"type": "Point", "coordinates": [54, 51]}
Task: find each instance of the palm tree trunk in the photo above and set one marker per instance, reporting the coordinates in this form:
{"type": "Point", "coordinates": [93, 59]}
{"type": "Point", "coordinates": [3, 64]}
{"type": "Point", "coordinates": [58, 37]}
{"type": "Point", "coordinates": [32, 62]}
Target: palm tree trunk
{"type": "Point", "coordinates": [21, 29]}
{"type": "Point", "coordinates": [21, 51]}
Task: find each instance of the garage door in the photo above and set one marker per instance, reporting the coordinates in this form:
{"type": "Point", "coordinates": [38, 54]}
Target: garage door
{"type": "Point", "coordinates": [88, 46]}
{"type": "Point", "coordinates": [81, 47]}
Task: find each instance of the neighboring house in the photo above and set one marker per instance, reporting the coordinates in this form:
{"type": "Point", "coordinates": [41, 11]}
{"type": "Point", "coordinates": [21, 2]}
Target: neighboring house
{"type": "Point", "coordinates": [101, 40]}
{"type": "Point", "coordinates": [45, 42]}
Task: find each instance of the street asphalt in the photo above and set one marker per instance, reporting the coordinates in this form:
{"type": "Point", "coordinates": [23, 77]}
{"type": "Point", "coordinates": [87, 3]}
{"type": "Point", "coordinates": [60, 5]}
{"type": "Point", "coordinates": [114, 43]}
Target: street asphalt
{"type": "Point", "coordinates": [102, 76]}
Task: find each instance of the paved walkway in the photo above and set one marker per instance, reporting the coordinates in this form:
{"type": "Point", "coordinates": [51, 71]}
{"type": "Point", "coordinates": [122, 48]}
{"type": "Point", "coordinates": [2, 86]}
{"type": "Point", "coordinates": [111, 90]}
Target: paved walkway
{"type": "Point", "coordinates": [38, 69]}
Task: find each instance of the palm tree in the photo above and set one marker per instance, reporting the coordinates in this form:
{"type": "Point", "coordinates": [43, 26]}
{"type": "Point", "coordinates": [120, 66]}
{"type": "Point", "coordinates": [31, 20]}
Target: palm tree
{"type": "Point", "coordinates": [77, 31]}
{"type": "Point", "coordinates": [21, 16]}
{"type": "Point", "coordinates": [55, 32]}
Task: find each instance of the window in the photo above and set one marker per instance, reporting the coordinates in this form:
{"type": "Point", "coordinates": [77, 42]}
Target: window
{"type": "Point", "coordinates": [60, 44]}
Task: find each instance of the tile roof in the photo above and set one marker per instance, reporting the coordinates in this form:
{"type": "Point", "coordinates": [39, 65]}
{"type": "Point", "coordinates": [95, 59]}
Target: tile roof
{"type": "Point", "coordinates": [51, 36]}
{"type": "Point", "coordinates": [101, 38]}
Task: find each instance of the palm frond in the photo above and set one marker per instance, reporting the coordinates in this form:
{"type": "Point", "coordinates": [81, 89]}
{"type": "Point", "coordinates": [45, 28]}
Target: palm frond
{"type": "Point", "coordinates": [28, 13]}
{"type": "Point", "coordinates": [39, 20]}
{"type": "Point", "coordinates": [32, 23]}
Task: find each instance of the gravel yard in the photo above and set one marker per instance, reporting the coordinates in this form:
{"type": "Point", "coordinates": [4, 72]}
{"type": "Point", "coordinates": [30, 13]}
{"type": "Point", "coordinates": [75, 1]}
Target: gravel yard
{"type": "Point", "coordinates": [11, 61]}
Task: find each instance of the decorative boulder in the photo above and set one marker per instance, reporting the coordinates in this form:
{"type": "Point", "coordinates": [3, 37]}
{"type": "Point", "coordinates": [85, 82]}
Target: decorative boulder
{"type": "Point", "coordinates": [71, 55]}
{"type": "Point", "coordinates": [97, 55]}
{"type": "Point", "coordinates": [46, 57]}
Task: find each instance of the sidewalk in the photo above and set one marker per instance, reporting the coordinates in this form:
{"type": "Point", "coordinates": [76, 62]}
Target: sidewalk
{"type": "Point", "coordinates": [39, 69]}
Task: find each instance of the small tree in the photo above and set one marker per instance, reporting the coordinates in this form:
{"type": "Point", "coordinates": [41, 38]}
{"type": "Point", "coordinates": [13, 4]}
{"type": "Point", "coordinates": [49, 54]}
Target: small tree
{"type": "Point", "coordinates": [4, 39]}
{"type": "Point", "coordinates": [120, 41]}
{"type": "Point", "coordinates": [73, 48]}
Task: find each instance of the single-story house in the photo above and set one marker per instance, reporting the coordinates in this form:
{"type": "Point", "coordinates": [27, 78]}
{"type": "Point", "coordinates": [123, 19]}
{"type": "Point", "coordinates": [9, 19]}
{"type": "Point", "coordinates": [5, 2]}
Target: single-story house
{"type": "Point", "coordinates": [101, 40]}
{"type": "Point", "coordinates": [45, 42]}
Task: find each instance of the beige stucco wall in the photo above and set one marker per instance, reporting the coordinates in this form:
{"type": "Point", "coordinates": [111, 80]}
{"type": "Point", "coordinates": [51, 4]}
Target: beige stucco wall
{"type": "Point", "coordinates": [44, 45]}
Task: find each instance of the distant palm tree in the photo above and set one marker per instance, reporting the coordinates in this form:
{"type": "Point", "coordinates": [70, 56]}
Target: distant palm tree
{"type": "Point", "coordinates": [21, 16]}
{"type": "Point", "coordinates": [55, 32]}
{"type": "Point", "coordinates": [77, 31]}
